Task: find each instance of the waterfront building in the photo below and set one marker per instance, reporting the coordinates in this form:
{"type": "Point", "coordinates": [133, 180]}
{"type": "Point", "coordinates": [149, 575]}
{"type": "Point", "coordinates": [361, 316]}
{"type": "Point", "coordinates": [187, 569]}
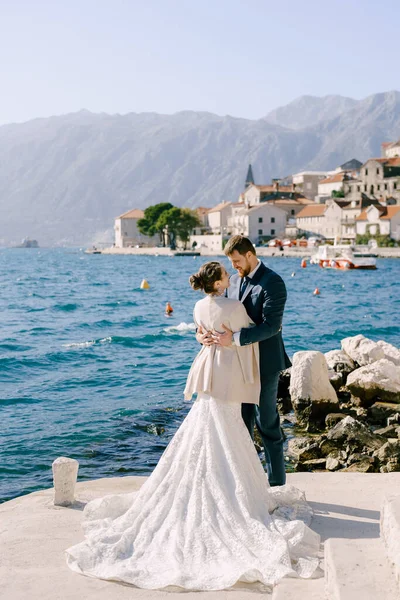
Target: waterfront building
{"type": "Point", "coordinates": [217, 218]}
{"type": "Point", "coordinates": [379, 220]}
{"type": "Point", "coordinates": [127, 233]}
{"type": "Point", "coordinates": [333, 183]}
{"type": "Point", "coordinates": [379, 179]}
{"type": "Point", "coordinates": [259, 222]}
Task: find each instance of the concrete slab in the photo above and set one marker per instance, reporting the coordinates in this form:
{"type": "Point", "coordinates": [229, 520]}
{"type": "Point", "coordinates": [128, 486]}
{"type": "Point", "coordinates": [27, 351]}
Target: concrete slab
{"type": "Point", "coordinates": [34, 534]}
{"type": "Point", "coordinates": [358, 570]}
{"type": "Point", "coordinates": [390, 532]}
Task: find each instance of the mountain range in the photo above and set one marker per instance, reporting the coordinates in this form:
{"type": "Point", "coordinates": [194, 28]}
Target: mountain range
{"type": "Point", "coordinates": [64, 179]}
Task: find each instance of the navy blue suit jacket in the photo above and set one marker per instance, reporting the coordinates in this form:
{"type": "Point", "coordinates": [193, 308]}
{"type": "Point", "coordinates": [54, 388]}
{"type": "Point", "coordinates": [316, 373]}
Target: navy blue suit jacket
{"type": "Point", "coordinates": [264, 300]}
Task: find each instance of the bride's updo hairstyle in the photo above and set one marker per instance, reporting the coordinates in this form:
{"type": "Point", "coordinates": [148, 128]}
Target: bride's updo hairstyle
{"type": "Point", "coordinates": [205, 279]}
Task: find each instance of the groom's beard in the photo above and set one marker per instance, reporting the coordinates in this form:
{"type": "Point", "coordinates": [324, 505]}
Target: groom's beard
{"type": "Point", "coordinates": [244, 271]}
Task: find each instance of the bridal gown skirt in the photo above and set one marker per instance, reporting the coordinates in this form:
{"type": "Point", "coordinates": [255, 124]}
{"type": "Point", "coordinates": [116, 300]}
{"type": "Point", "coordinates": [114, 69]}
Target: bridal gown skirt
{"type": "Point", "coordinates": [205, 519]}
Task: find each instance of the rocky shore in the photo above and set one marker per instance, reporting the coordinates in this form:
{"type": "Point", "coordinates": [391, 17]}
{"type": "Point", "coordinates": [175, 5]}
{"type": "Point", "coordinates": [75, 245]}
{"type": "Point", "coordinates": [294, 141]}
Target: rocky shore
{"type": "Point", "coordinates": [346, 404]}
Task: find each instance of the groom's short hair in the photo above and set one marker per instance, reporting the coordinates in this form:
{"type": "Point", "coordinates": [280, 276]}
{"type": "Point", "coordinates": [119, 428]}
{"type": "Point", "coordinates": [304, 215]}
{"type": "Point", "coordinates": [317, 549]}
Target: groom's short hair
{"type": "Point", "coordinates": [240, 243]}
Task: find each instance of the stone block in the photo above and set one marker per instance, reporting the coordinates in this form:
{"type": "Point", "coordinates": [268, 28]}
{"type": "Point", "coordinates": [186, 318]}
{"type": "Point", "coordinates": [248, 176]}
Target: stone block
{"type": "Point", "coordinates": [65, 472]}
{"type": "Point", "coordinates": [313, 396]}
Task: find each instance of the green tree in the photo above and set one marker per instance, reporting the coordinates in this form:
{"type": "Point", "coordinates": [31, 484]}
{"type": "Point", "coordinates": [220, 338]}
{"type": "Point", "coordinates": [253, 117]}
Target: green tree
{"type": "Point", "coordinates": [188, 221]}
{"type": "Point", "coordinates": [170, 220]}
{"type": "Point", "coordinates": [148, 225]}
{"type": "Point", "coordinates": [337, 194]}
{"type": "Point", "coordinates": [179, 222]}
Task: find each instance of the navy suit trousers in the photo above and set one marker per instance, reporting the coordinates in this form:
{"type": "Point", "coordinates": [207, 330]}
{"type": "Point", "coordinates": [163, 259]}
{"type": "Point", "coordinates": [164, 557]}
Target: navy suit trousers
{"type": "Point", "coordinates": [266, 418]}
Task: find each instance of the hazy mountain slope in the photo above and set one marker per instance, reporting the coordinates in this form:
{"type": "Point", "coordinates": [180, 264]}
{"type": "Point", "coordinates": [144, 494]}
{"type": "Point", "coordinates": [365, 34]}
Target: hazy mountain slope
{"type": "Point", "coordinates": [65, 179]}
{"type": "Point", "coordinates": [68, 177]}
{"type": "Point", "coordinates": [307, 111]}
{"type": "Point", "coordinates": [359, 132]}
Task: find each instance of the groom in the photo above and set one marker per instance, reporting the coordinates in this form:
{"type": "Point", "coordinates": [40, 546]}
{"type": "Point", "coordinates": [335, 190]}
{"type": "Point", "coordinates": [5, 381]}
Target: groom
{"type": "Point", "coordinates": [263, 294]}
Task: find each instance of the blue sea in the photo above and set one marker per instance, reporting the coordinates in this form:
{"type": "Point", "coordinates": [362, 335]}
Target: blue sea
{"type": "Point", "coordinates": [92, 368]}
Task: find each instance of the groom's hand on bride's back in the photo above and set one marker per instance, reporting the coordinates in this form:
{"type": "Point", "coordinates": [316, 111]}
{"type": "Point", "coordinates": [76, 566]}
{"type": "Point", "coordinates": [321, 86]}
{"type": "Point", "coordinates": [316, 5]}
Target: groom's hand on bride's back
{"type": "Point", "coordinates": [223, 339]}
{"type": "Point", "coordinates": [204, 337]}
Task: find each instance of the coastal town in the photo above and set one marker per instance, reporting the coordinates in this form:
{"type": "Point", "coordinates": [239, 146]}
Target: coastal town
{"type": "Point", "coordinates": [354, 203]}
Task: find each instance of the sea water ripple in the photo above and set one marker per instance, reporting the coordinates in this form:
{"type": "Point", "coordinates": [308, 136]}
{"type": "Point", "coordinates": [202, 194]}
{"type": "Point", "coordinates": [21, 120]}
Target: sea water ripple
{"type": "Point", "coordinates": [92, 368]}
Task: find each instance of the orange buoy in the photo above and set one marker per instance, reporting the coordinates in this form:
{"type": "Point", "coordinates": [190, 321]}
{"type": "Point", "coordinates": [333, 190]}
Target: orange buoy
{"type": "Point", "coordinates": [168, 309]}
{"type": "Point", "coordinates": [304, 263]}
{"type": "Point", "coordinates": [316, 292]}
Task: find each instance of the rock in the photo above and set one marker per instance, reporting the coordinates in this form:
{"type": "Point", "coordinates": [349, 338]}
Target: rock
{"type": "Point", "coordinates": [391, 352]}
{"type": "Point", "coordinates": [65, 472]}
{"type": "Point", "coordinates": [378, 380]}
{"type": "Point", "coordinates": [380, 412]}
{"type": "Point", "coordinates": [329, 448]}
{"type": "Point", "coordinates": [336, 379]}
{"type": "Point", "coordinates": [313, 397]}
{"type": "Point", "coordinates": [333, 418]}
{"type": "Point", "coordinates": [388, 432]}
{"type": "Point", "coordinates": [310, 452]}
{"type": "Point", "coordinates": [389, 456]}
{"type": "Point", "coordinates": [361, 413]}
{"type": "Point", "coordinates": [352, 435]}
{"type": "Point", "coordinates": [392, 420]}
{"type": "Point", "coordinates": [365, 465]}
{"type": "Point", "coordinates": [362, 350]}
{"type": "Point", "coordinates": [332, 464]}
{"type": "Point", "coordinates": [339, 361]}
{"type": "Point", "coordinates": [391, 449]}
{"type": "Point", "coordinates": [296, 444]}
{"type": "Point", "coordinates": [316, 463]}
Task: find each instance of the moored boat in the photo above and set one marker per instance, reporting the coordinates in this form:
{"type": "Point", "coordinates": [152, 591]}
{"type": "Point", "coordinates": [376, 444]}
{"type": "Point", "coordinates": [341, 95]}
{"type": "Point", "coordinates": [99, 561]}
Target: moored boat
{"type": "Point", "coordinates": [342, 258]}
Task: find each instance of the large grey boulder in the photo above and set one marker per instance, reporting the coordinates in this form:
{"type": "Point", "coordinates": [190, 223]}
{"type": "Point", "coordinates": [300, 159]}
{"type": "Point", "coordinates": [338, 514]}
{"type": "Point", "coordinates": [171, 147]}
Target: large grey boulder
{"type": "Point", "coordinates": [312, 394]}
{"type": "Point", "coordinates": [339, 361]}
{"type": "Point", "coordinates": [380, 379]}
{"type": "Point", "coordinates": [351, 435]}
{"type": "Point", "coordinates": [362, 350]}
{"type": "Point", "coordinates": [391, 352]}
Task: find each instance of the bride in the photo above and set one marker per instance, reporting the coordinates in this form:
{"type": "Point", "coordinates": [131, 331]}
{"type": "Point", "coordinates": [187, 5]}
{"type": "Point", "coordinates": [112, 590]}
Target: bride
{"type": "Point", "coordinates": [206, 517]}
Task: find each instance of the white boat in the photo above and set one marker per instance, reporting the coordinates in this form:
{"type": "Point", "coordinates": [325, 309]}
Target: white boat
{"type": "Point", "coordinates": [341, 257]}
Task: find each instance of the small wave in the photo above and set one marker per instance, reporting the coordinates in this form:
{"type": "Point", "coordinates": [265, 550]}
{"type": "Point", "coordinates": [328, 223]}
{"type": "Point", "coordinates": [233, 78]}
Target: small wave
{"type": "Point", "coordinates": [182, 328]}
{"type": "Point", "coordinates": [66, 307]}
{"type": "Point", "coordinates": [88, 344]}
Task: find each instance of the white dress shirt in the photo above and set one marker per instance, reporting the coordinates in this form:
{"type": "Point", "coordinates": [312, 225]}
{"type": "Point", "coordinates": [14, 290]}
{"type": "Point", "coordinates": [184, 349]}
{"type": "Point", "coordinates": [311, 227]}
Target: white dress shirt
{"type": "Point", "coordinates": [236, 335]}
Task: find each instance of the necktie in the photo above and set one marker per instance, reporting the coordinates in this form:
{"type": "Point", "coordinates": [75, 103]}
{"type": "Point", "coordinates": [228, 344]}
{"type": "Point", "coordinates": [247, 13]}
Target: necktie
{"type": "Point", "coordinates": [243, 286]}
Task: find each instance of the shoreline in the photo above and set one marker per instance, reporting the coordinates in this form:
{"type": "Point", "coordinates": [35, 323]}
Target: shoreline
{"type": "Point", "coordinates": [270, 252]}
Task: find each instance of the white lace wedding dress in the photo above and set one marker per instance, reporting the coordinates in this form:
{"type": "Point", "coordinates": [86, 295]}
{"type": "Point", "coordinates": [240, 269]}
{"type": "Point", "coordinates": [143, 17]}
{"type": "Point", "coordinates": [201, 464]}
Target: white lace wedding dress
{"type": "Point", "coordinates": [205, 519]}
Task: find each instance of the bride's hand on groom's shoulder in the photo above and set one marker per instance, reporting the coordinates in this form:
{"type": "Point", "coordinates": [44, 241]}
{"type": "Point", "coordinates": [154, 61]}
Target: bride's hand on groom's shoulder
{"type": "Point", "coordinates": [204, 337]}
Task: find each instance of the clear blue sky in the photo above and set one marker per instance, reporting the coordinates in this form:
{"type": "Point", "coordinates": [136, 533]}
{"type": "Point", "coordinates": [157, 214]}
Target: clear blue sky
{"type": "Point", "coordinates": [237, 57]}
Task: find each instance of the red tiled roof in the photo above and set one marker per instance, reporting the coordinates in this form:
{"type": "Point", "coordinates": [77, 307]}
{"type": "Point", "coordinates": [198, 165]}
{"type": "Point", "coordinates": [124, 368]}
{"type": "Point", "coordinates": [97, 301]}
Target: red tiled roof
{"type": "Point", "coordinates": [391, 211]}
{"type": "Point", "coordinates": [273, 188]}
{"type": "Point", "coordinates": [333, 179]}
{"type": "Point", "coordinates": [388, 162]}
{"type": "Point", "coordinates": [219, 207]}
{"type": "Point", "coordinates": [387, 213]}
{"type": "Point", "coordinates": [134, 213]}
{"type": "Point", "coordinates": [317, 210]}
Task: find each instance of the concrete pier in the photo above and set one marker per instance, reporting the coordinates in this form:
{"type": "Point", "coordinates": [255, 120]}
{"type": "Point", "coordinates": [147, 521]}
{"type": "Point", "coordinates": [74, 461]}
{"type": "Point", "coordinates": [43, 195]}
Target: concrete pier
{"type": "Point", "coordinates": [34, 534]}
